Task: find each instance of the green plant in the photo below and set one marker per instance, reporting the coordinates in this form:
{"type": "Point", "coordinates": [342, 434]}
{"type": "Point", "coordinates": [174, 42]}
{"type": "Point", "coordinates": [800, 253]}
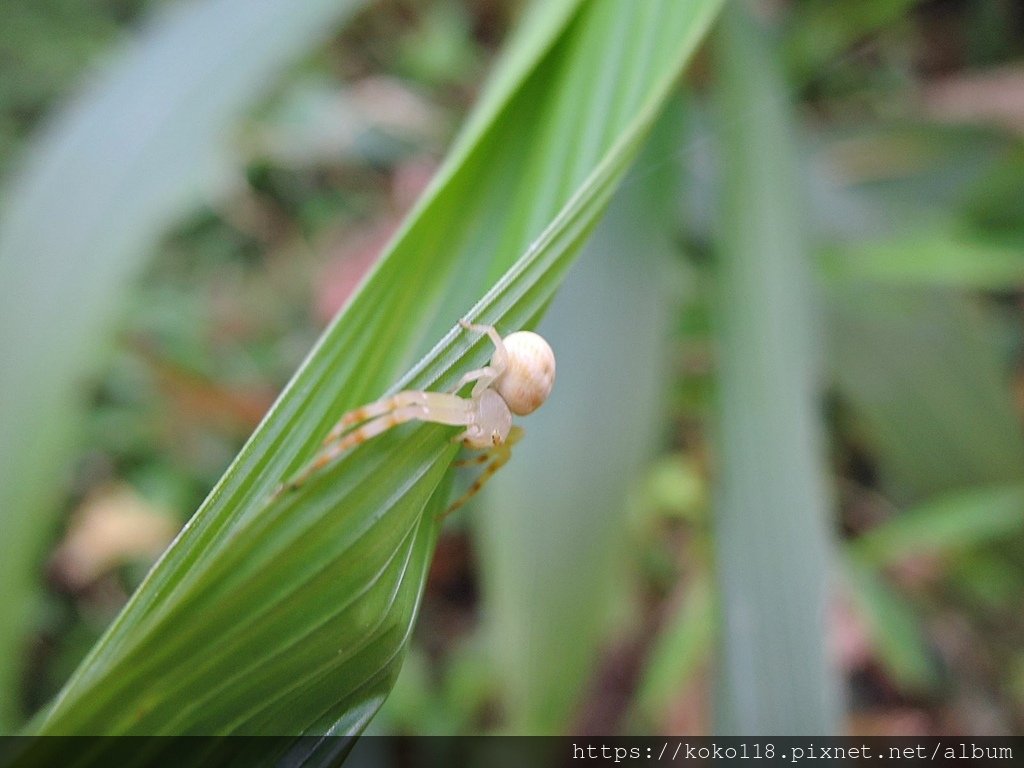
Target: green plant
{"type": "Point", "coordinates": [238, 628]}
{"type": "Point", "coordinates": [292, 614]}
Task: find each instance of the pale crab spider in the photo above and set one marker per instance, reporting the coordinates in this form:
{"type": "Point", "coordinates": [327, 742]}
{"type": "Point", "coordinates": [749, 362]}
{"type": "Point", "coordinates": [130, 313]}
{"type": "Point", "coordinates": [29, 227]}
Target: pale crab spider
{"type": "Point", "coordinates": [517, 381]}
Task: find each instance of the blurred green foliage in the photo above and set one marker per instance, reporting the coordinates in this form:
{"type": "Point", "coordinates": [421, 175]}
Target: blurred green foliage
{"type": "Point", "coordinates": [44, 47]}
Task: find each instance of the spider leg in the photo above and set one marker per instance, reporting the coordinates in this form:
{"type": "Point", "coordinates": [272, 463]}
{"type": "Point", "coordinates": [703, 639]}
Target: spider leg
{"type": "Point", "coordinates": [490, 330]}
{"type": "Point", "coordinates": [480, 458]}
{"type": "Point", "coordinates": [367, 412]}
{"type": "Point", "coordinates": [378, 418]}
{"type": "Point", "coordinates": [498, 362]}
{"type": "Point", "coordinates": [497, 456]}
{"type": "Point", "coordinates": [334, 448]}
{"type": "Point", "coordinates": [485, 375]}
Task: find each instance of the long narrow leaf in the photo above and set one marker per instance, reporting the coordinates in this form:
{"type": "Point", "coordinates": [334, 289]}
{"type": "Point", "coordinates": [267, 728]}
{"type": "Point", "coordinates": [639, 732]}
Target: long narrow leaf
{"type": "Point", "coordinates": [563, 500]}
{"type": "Point", "coordinates": [894, 625]}
{"type": "Point", "coordinates": [771, 515]}
{"type": "Point", "coordinates": [143, 144]}
{"type": "Point", "coordinates": [290, 614]}
{"type": "Point", "coordinates": [952, 522]}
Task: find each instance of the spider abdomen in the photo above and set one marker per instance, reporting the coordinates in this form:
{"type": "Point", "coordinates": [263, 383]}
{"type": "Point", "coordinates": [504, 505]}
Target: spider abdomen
{"type": "Point", "coordinates": [530, 372]}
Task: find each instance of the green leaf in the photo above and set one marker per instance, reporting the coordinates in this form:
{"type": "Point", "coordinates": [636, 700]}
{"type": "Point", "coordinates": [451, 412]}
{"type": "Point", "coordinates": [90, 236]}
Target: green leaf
{"type": "Point", "coordinates": [894, 626]}
{"type": "Point", "coordinates": [822, 31]}
{"type": "Point", "coordinates": [924, 373]}
{"type": "Point", "coordinates": [290, 614]}
{"type": "Point", "coordinates": [139, 147]}
{"type": "Point", "coordinates": [908, 173]}
{"type": "Point", "coordinates": [951, 522]}
{"type": "Point", "coordinates": [609, 325]}
{"type": "Point", "coordinates": [682, 646]}
{"type": "Point", "coordinates": [771, 522]}
{"type": "Point", "coordinates": [938, 256]}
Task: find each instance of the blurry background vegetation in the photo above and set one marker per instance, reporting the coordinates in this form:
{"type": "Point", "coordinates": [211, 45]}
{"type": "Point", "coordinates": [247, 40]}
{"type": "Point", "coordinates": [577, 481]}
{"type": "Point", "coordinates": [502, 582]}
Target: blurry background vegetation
{"type": "Point", "coordinates": [910, 119]}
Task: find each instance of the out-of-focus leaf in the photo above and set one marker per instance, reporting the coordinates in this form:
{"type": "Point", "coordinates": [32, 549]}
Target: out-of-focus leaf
{"type": "Point", "coordinates": [904, 170]}
{"type": "Point", "coordinates": [142, 144]}
{"type": "Point", "coordinates": [991, 579]}
{"type": "Point", "coordinates": [290, 614]}
{"type": "Point", "coordinates": [996, 201]}
{"type": "Point", "coordinates": [771, 521]}
{"type": "Point", "coordinates": [924, 371]}
{"type": "Point", "coordinates": [682, 645]}
{"type": "Point", "coordinates": [822, 30]}
{"type": "Point", "coordinates": [563, 499]}
{"type": "Point", "coordinates": [951, 522]}
{"type": "Point", "coordinates": [940, 256]}
{"type": "Point", "coordinates": [894, 626]}
{"type": "Point", "coordinates": [318, 121]}
{"type": "Point", "coordinates": [676, 487]}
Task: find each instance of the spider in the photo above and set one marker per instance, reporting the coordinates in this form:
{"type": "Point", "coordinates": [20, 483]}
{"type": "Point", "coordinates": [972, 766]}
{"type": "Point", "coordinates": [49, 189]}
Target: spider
{"type": "Point", "coordinates": [517, 381]}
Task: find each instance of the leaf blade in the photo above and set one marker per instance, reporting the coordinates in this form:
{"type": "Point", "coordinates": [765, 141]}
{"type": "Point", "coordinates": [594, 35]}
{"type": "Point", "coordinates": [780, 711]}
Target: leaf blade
{"type": "Point", "coordinates": [116, 168]}
{"type": "Point", "coordinates": [427, 279]}
{"type": "Point", "coordinates": [771, 496]}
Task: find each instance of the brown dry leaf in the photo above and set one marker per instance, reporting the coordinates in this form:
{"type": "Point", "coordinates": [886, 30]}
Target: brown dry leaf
{"type": "Point", "coordinates": [112, 526]}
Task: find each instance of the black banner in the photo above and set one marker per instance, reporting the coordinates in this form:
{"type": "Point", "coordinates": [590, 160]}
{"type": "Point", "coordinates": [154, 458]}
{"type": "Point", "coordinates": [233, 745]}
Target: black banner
{"type": "Point", "coordinates": [500, 751]}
